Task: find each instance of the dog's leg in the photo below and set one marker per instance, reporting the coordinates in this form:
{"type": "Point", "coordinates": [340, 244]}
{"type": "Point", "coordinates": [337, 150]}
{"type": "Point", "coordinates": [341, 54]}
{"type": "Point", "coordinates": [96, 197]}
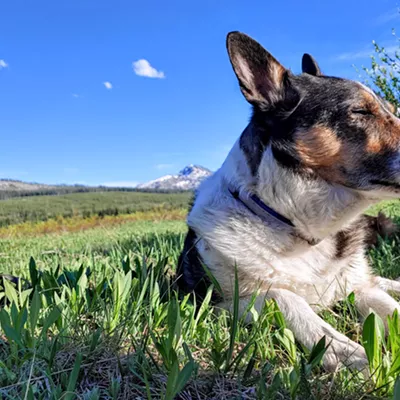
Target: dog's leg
{"type": "Point", "coordinates": [377, 300]}
{"type": "Point", "coordinates": [309, 328]}
{"type": "Point", "coordinates": [388, 285]}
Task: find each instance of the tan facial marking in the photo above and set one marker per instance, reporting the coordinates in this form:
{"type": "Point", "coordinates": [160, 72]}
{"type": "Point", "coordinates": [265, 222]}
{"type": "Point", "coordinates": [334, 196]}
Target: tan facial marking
{"type": "Point", "coordinates": [381, 131]}
{"type": "Point", "coordinates": [384, 134]}
{"type": "Point", "coordinates": [318, 146]}
{"type": "Point", "coordinates": [371, 102]}
{"type": "Point", "coordinates": [391, 107]}
{"type": "Point", "coordinates": [369, 98]}
{"type": "Point", "coordinates": [374, 145]}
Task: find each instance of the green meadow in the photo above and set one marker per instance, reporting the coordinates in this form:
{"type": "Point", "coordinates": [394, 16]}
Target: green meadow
{"type": "Point", "coordinates": [95, 315]}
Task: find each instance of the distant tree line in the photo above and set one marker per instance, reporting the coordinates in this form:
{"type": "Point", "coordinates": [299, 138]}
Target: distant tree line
{"type": "Point", "coordinates": [63, 190]}
{"type": "Point", "coordinates": [86, 205]}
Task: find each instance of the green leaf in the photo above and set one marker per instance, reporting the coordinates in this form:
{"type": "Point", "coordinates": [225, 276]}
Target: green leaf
{"type": "Point", "coordinates": [174, 322]}
{"type": "Point", "coordinates": [142, 293]}
{"type": "Point", "coordinates": [95, 339]}
{"type": "Point", "coordinates": [286, 339]}
{"type": "Point", "coordinates": [394, 333]}
{"type": "Point", "coordinates": [317, 352]}
{"type": "Point", "coordinates": [204, 307]}
{"type": "Point", "coordinates": [29, 394]}
{"type": "Point", "coordinates": [250, 366]}
{"type": "Point", "coordinates": [34, 311]}
{"type": "Point", "coordinates": [14, 315]}
{"type": "Point", "coordinates": [126, 265]}
{"type": "Point", "coordinates": [396, 393]}
{"type": "Point", "coordinates": [53, 353]}
{"type": "Point", "coordinates": [250, 306]}
{"type": "Point", "coordinates": [50, 320]}
{"type": "Point", "coordinates": [294, 380]}
{"type": "Point", "coordinates": [172, 382]}
{"type": "Point", "coordinates": [9, 331]}
{"type": "Point", "coordinates": [278, 316]}
{"type": "Point", "coordinates": [234, 323]}
{"type": "Point", "coordinates": [351, 298]}
{"type": "Point", "coordinates": [372, 340]}
{"type": "Point", "coordinates": [33, 272]}
{"type": "Point", "coordinates": [21, 320]}
{"type": "Point", "coordinates": [273, 388]}
{"type": "Point", "coordinates": [184, 376]}
{"type": "Point", "coordinates": [24, 296]}
{"type": "Point", "coordinates": [82, 284]}
{"type": "Point", "coordinates": [395, 367]}
{"type": "Point", "coordinates": [212, 279]}
{"type": "Point", "coordinates": [187, 352]}
{"type": "Point", "coordinates": [10, 291]}
{"type": "Point", "coordinates": [73, 378]}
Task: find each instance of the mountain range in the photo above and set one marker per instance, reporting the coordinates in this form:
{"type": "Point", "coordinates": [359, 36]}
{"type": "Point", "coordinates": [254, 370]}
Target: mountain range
{"type": "Point", "coordinates": [187, 179]}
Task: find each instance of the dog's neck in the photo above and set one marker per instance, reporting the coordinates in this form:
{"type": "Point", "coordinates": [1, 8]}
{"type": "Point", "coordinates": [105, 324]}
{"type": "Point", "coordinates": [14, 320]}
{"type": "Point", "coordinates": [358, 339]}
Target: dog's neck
{"type": "Point", "coordinates": [317, 209]}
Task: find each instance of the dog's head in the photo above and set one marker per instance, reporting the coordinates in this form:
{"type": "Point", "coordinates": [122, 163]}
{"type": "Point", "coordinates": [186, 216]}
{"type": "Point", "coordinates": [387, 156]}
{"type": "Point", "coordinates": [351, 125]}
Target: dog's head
{"type": "Point", "coordinates": [333, 129]}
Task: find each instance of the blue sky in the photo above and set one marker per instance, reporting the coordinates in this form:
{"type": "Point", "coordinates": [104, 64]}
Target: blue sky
{"type": "Point", "coordinates": [75, 106]}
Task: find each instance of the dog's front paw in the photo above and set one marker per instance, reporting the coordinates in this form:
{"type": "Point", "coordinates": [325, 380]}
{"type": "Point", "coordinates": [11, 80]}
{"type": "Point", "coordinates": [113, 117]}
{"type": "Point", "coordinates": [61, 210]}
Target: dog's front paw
{"type": "Point", "coordinates": [344, 351]}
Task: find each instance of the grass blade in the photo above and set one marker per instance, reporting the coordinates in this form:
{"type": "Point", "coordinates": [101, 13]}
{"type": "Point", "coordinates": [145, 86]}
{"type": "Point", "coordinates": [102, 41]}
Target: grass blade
{"type": "Point", "coordinates": [73, 378]}
{"type": "Point", "coordinates": [234, 323]}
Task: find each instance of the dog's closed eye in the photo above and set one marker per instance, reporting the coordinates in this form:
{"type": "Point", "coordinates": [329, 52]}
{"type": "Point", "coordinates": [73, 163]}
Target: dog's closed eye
{"type": "Point", "coordinates": [362, 111]}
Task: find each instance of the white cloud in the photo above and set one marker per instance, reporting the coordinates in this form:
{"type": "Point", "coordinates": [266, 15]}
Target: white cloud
{"type": "Point", "coordinates": [163, 166]}
{"type": "Point", "coordinates": [143, 68]}
{"type": "Point", "coordinates": [353, 55]}
{"type": "Point", "coordinates": [3, 64]}
{"type": "Point", "coordinates": [75, 95]}
{"type": "Point", "coordinates": [121, 184]}
{"type": "Point", "coordinates": [388, 16]}
{"type": "Point", "coordinates": [356, 55]}
{"type": "Point", "coordinates": [108, 85]}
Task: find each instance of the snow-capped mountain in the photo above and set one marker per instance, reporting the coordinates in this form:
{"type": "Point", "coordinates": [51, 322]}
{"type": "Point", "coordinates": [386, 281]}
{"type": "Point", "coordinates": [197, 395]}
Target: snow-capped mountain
{"type": "Point", "coordinates": [187, 179]}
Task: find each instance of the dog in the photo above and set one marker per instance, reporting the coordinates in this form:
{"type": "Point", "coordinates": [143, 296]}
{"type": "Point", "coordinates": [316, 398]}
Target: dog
{"type": "Point", "coordinates": [285, 208]}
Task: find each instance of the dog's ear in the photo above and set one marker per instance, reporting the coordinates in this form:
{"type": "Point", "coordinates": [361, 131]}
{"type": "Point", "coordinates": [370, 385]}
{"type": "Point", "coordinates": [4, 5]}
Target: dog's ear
{"type": "Point", "coordinates": [261, 77]}
{"type": "Point", "coordinates": [310, 66]}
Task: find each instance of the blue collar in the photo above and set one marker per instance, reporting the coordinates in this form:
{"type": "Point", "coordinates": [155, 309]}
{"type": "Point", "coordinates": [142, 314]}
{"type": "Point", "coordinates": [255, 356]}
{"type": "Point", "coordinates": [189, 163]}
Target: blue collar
{"type": "Point", "coordinates": [254, 204]}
